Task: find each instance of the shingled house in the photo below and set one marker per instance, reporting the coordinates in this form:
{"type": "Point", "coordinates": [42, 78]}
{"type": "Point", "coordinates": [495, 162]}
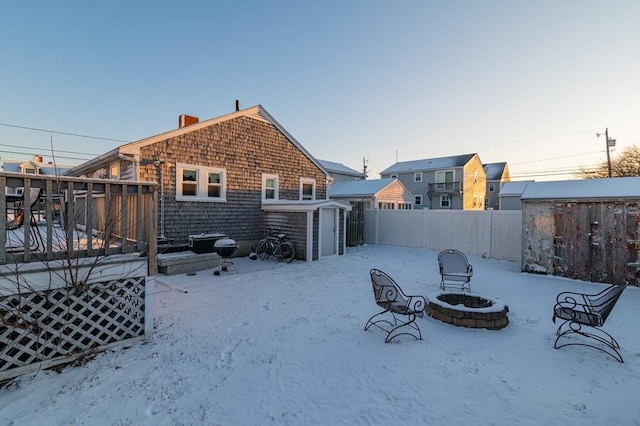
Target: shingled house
{"type": "Point", "coordinates": [238, 174]}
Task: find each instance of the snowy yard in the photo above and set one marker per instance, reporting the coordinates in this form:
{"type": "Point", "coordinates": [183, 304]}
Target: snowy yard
{"type": "Point", "coordinates": [284, 345]}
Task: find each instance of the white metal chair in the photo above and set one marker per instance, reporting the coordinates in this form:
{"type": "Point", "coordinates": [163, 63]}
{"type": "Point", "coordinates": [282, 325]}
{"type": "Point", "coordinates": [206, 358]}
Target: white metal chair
{"type": "Point", "coordinates": [455, 270]}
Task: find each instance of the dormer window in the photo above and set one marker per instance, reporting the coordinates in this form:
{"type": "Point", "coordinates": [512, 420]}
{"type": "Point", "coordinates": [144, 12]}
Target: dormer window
{"type": "Point", "coordinates": [29, 168]}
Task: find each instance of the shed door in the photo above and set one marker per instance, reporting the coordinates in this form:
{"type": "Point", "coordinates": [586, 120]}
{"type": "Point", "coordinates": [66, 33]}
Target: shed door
{"type": "Point", "coordinates": [328, 232]}
{"type": "Point", "coordinates": [593, 241]}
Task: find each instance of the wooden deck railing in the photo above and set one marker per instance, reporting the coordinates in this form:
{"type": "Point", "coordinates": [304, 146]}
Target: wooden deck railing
{"type": "Point", "coordinates": [76, 218]}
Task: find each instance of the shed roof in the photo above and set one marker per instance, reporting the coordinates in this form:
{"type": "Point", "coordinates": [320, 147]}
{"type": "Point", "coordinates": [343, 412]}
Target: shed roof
{"type": "Point", "coordinates": [514, 188]}
{"type": "Point", "coordinates": [429, 164]}
{"type": "Point", "coordinates": [359, 188]}
{"type": "Point", "coordinates": [622, 187]}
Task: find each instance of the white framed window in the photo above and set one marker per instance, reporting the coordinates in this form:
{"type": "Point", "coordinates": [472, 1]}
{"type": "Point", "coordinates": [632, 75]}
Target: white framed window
{"type": "Point", "coordinates": [491, 187]}
{"type": "Point", "coordinates": [405, 206]}
{"type": "Point", "coordinates": [444, 179]}
{"type": "Point", "coordinates": [199, 183]}
{"type": "Point", "coordinates": [385, 205]}
{"type": "Point", "coordinates": [269, 187]}
{"type": "Point", "coordinates": [417, 176]}
{"type": "Point", "coordinates": [475, 177]}
{"type": "Point", "coordinates": [307, 189]}
{"type": "Point", "coordinates": [418, 200]}
{"type": "Point", "coordinates": [28, 168]}
{"type": "Point", "coordinates": [445, 201]}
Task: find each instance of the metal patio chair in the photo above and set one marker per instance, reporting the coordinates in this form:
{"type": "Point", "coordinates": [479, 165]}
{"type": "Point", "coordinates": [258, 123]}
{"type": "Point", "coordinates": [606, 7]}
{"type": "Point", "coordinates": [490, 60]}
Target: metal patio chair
{"type": "Point", "coordinates": [399, 310]}
{"type": "Point", "coordinates": [584, 315]}
{"type": "Point", "coordinates": [455, 270]}
{"type": "Point", "coordinates": [28, 201]}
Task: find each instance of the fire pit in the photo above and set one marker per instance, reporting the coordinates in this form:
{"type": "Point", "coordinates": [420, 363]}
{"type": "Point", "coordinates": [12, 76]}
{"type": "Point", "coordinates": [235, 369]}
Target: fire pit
{"type": "Point", "coordinates": [468, 310]}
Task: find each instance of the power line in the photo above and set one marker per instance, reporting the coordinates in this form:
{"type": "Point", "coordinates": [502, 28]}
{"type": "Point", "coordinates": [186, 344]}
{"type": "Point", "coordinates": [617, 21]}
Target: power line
{"type": "Point", "coordinates": [57, 156]}
{"type": "Point", "coordinates": [557, 158]}
{"type": "Point", "coordinates": [63, 133]}
{"type": "Point", "coordinates": [41, 149]}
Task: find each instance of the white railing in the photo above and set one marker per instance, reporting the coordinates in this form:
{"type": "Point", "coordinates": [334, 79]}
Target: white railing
{"type": "Point", "coordinates": [74, 265]}
{"type": "Point", "coordinates": [491, 233]}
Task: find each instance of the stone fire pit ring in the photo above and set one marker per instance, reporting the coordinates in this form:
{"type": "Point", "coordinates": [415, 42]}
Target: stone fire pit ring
{"type": "Point", "coordinates": [467, 310]}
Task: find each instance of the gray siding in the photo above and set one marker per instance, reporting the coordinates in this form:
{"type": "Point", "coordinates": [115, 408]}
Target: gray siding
{"type": "Point", "coordinates": [246, 148]}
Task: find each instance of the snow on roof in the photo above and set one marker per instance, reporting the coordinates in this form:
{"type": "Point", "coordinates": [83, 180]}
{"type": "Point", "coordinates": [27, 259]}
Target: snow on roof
{"type": "Point", "coordinates": [429, 163]}
{"type": "Point", "coordinates": [339, 168]}
{"type": "Point", "coordinates": [359, 187]}
{"type": "Point", "coordinates": [49, 168]}
{"type": "Point", "coordinates": [514, 188]}
{"type": "Point", "coordinates": [494, 171]}
{"type": "Point", "coordinates": [623, 187]}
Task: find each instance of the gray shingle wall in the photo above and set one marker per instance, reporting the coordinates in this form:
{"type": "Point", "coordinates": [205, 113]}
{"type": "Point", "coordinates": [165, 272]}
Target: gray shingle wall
{"type": "Point", "coordinates": [246, 148]}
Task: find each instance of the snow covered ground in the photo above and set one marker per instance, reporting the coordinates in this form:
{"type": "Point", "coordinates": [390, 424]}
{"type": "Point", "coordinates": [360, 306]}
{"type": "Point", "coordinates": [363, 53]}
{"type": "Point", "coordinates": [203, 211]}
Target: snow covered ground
{"type": "Point", "coordinates": [284, 344]}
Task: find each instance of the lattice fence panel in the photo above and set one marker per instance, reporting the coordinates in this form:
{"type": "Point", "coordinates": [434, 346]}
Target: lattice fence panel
{"type": "Point", "coordinates": [66, 322]}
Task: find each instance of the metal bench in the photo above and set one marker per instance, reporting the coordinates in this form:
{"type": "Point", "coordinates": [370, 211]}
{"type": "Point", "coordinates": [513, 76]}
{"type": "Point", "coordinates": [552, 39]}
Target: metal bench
{"type": "Point", "coordinates": [403, 309]}
{"type": "Point", "coordinates": [585, 314]}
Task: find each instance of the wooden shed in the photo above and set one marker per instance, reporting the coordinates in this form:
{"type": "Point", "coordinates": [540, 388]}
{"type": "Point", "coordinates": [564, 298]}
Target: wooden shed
{"type": "Point", "coordinates": [583, 229]}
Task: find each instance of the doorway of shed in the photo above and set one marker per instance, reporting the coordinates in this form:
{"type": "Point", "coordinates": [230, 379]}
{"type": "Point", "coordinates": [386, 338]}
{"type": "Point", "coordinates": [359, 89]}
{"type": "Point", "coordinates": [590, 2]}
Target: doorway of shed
{"type": "Point", "coordinates": [328, 234]}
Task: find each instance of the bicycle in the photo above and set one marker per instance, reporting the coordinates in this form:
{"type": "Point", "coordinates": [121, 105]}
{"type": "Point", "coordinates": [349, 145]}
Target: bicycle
{"type": "Point", "coordinates": [276, 245]}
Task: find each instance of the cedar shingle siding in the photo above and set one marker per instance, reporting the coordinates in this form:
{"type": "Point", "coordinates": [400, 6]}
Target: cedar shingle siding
{"type": "Point", "coordinates": [246, 148]}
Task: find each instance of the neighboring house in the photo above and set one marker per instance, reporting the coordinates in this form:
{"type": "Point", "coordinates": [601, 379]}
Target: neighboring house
{"type": "Point", "coordinates": [35, 166]}
{"type": "Point", "coordinates": [369, 194]}
{"type": "Point", "coordinates": [238, 174]}
{"type": "Point", "coordinates": [383, 194]}
{"type": "Point", "coordinates": [341, 173]}
{"type": "Point", "coordinates": [510, 193]}
{"type": "Point", "coordinates": [583, 229]}
{"type": "Point", "coordinates": [455, 183]}
{"type": "Point", "coordinates": [497, 175]}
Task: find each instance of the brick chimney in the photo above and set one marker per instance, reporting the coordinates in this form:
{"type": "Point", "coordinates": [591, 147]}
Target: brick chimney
{"type": "Point", "coordinates": [186, 120]}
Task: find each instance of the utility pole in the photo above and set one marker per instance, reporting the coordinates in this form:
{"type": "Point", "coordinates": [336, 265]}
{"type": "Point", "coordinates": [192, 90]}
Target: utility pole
{"type": "Point", "coordinates": [609, 142]}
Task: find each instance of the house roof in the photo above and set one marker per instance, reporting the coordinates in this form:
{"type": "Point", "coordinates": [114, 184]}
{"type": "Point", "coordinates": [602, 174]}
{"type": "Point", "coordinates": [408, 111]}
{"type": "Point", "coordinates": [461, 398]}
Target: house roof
{"type": "Point", "coordinates": [127, 151]}
{"type": "Point", "coordinates": [494, 171]}
{"type": "Point", "coordinates": [49, 168]}
{"type": "Point", "coordinates": [340, 168]}
{"type": "Point", "coordinates": [359, 188]}
{"type": "Point", "coordinates": [622, 187]}
{"type": "Point", "coordinates": [429, 164]}
{"type": "Point", "coordinates": [514, 188]}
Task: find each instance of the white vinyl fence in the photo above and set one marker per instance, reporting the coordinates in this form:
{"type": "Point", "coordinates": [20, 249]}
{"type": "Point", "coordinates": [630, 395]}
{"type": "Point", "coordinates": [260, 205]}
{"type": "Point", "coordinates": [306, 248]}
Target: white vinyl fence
{"type": "Point", "coordinates": [495, 234]}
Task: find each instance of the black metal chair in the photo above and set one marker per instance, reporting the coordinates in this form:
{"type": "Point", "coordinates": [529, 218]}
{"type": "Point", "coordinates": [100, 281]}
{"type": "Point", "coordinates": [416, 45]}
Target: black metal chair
{"type": "Point", "coordinates": [454, 270]}
{"type": "Point", "coordinates": [399, 310]}
{"type": "Point", "coordinates": [584, 315]}
{"type": "Point", "coordinates": [28, 201]}
{"type": "Point", "coordinates": [14, 237]}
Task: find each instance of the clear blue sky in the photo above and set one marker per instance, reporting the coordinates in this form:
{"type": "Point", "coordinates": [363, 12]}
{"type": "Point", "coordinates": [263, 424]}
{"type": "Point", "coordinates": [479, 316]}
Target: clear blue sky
{"type": "Point", "coordinates": [527, 82]}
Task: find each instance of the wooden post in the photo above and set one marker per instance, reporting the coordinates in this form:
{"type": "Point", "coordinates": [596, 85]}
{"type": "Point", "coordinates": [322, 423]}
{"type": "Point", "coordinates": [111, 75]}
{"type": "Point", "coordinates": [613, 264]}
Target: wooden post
{"type": "Point", "coordinates": [151, 223]}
